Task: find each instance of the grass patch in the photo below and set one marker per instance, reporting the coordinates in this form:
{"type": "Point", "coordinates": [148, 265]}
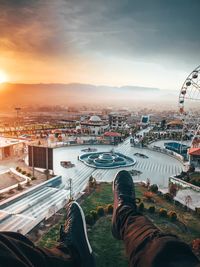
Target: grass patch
{"type": "Point", "coordinates": [100, 197]}
{"type": "Point", "coordinates": [49, 239]}
{"type": "Point", "coordinates": [109, 251]}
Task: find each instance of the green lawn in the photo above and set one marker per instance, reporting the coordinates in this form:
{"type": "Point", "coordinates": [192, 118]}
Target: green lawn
{"type": "Point", "coordinates": [102, 196]}
{"type": "Point", "coordinates": [110, 252]}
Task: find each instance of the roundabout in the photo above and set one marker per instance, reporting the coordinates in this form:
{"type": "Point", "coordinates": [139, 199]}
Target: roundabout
{"type": "Point", "coordinates": [107, 160]}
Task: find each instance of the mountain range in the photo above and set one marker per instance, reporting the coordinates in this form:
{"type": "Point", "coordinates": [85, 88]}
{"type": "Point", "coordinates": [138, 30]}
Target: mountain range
{"type": "Point", "coordinates": [76, 94]}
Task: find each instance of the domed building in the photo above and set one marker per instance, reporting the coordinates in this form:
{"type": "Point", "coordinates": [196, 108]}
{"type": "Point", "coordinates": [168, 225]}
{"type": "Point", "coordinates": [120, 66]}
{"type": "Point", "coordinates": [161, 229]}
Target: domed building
{"type": "Point", "coordinates": [95, 125]}
{"type": "Point", "coordinates": [95, 119]}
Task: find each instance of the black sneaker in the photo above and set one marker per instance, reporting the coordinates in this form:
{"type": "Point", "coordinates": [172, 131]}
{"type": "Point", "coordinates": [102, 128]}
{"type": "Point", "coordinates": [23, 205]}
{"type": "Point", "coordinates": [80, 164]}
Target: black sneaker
{"type": "Point", "coordinates": [124, 195]}
{"type": "Point", "coordinates": [74, 235]}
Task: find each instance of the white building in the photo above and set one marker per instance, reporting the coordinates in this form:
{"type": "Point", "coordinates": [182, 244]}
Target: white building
{"type": "Point", "coordinates": [95, 125]}
{"type": "Point", "coordinates": [10, 147]}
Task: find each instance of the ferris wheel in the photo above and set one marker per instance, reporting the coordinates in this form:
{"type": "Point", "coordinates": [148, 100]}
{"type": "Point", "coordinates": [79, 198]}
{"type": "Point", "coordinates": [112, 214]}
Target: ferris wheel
{"type": "Point", "coordinates": [189, 107]}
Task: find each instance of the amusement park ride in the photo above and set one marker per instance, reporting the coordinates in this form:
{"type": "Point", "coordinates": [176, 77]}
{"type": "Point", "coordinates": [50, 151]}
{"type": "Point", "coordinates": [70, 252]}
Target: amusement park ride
{"type": "Point", "coordinates": [189, 108]}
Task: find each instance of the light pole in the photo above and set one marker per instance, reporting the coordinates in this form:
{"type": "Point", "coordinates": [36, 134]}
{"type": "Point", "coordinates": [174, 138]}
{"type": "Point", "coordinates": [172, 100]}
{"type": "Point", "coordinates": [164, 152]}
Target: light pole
{"type": "Point", "coordinates": [32, 153]}
{"type": "Point", "coordinates": [47, 163]}
{"type": "Point", "coordinates": [17, 109]}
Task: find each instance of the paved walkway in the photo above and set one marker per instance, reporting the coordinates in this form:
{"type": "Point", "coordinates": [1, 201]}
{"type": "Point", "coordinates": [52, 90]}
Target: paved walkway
{"type": "Point", "coordinates": [158, 167]}
{"type": "Point", "coordinates": [26, 213]}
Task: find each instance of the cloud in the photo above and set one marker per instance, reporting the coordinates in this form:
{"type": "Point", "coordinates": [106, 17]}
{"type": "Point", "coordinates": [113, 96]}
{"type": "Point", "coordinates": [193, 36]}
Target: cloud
{"type": "Point", "coordinates": [138, 28]}
{"type": "Point", "coordinates": [31, 27]}
{"type": "Point", "coordinates": [94, 34]}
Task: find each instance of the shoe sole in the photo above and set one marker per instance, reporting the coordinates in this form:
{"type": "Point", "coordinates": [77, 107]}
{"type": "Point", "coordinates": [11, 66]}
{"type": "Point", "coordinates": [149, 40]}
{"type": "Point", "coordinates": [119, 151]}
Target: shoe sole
{"type": "Point", "coordinates": [84, 225]}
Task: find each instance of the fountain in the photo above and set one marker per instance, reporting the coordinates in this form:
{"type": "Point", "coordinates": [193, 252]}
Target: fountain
{"type": "Point", "coordinates": [107, 160]}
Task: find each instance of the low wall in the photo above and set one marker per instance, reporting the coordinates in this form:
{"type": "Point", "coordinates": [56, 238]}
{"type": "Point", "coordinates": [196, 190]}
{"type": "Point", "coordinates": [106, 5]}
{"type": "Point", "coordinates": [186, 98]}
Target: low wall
{"type": "Point", "coordinates": [167, 152]}
{"type": "Point", "coordinates": [7, 189]}
{"type": "Point", "coordinates": [184, 184]}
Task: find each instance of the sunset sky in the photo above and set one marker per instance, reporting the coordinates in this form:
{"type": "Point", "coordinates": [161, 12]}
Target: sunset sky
{"type": "Point", "coordinates": [153, 43]}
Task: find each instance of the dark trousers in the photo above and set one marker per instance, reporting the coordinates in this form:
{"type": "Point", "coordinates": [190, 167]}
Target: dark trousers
{"type": "Point", "coordinates": [145, 245]}
{"type": "Point", "coordinates": [18, 251]}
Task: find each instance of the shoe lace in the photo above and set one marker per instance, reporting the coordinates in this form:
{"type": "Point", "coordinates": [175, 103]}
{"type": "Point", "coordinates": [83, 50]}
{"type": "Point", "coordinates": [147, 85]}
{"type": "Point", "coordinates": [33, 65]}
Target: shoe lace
{"type": "Point", "coordinates": [127, 190]}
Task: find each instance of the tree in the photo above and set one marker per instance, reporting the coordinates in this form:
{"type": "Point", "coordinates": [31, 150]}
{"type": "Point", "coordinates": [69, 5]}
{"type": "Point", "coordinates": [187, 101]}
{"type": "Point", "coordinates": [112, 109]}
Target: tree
{"type": "Point", "coordinates": [141, 206]}
{"type": "Point", "coordinates": [19, 187]}
{"type": "Point", "coordinates": [163, 212]}
{"type": "Point", "coordinates": [148, 183]}
{"type": "Point", "coordinates": [168, 197]}
{"type": "Point", "coordinates": [188, 201]}
{"type": "Point", "coordinates": [109, 208]}
{"type": "Point", "coordinates": [100, 211]}
{"type": "Point", "coordinates": [89, 219]}
{"type": "Point", "coordinates": [172, 215]}
{"type": "Point", "coordinates": [173, 189]}
{"type": "Point", "coordinates": [151, 209]}
{"type": "Point", "coordinates": [191, 168]}
{"type": "Point", "coordinates": [28, 183]}
{"type": "Point", "coordinates": [196, 245]}
{"type": "Point", "coordinates": [46, 172]}
{"type": "Point", "coordinates": [94, 214]}
{"type": "Point", "coordinates": [154, 188]}
{"type": "Point", "coordinates": [92, 182]}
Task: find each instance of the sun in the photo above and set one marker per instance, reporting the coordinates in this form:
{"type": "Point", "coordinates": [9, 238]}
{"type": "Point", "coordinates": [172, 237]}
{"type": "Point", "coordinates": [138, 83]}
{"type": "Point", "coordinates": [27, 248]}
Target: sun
{"type": "Point", "coordinates": [3, 77]}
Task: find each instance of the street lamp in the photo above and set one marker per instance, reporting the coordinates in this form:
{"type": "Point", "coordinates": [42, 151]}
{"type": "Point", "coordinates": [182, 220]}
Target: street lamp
{"type": "Point", "coordinates": [17, 109]}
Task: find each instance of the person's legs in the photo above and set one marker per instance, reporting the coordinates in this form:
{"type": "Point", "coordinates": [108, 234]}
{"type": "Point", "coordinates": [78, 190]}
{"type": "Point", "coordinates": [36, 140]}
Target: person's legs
{"type": "Point", "coordinates": [74, 249]}
{"type": "Point", "coordinates": [74, 235]}
{"type": "Point", "coordinates": [18, 251]}
{"type": "Point", "coordinates": [145, 244]}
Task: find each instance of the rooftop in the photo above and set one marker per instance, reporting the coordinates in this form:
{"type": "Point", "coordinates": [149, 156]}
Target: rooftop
{"type": "Point", "coordinates": [95, 119]}
{"type": "Point", "coordinates": [194, 151]}
{"type": "Point", "coordinates": [175, 122]}
{"type": "Point", "coordinates": [4, 142]}
{"type": "Point", "coordinates": [112, 134]}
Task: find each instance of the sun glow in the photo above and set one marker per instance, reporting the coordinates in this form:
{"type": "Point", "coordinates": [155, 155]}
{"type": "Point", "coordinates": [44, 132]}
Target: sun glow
{"type": "Point", "coordinates": [3, 77]}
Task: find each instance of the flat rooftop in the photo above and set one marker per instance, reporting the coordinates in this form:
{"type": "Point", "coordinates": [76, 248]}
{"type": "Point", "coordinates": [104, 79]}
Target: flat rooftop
{"type": "Point", "coordinates": [4, 142]}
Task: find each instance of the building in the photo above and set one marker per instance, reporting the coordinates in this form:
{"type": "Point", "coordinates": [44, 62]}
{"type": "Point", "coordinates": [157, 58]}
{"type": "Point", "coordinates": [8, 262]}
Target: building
{"type": "Point", "coordinates": [175, 125]}
{"type": "Point", "coordinates": [10, 147]}
{"type": "Point", "coordinates": [194, 156]}
{"type": "Point", "coordinates": [117, 121]}
{"type": "Point", "coordinates": [40, 157]}
{"type": "Point", "coordinates": [113, 138]}
{"type": "Point", "coordinates": [145, 120]}
{"type": "Point", "coordinates": [95, 125]}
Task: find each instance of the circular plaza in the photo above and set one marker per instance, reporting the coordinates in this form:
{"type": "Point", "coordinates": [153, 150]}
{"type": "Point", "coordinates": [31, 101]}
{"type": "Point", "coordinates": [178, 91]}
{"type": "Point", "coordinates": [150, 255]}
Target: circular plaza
{"type": "Point", "coordinates": [107, 160]}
